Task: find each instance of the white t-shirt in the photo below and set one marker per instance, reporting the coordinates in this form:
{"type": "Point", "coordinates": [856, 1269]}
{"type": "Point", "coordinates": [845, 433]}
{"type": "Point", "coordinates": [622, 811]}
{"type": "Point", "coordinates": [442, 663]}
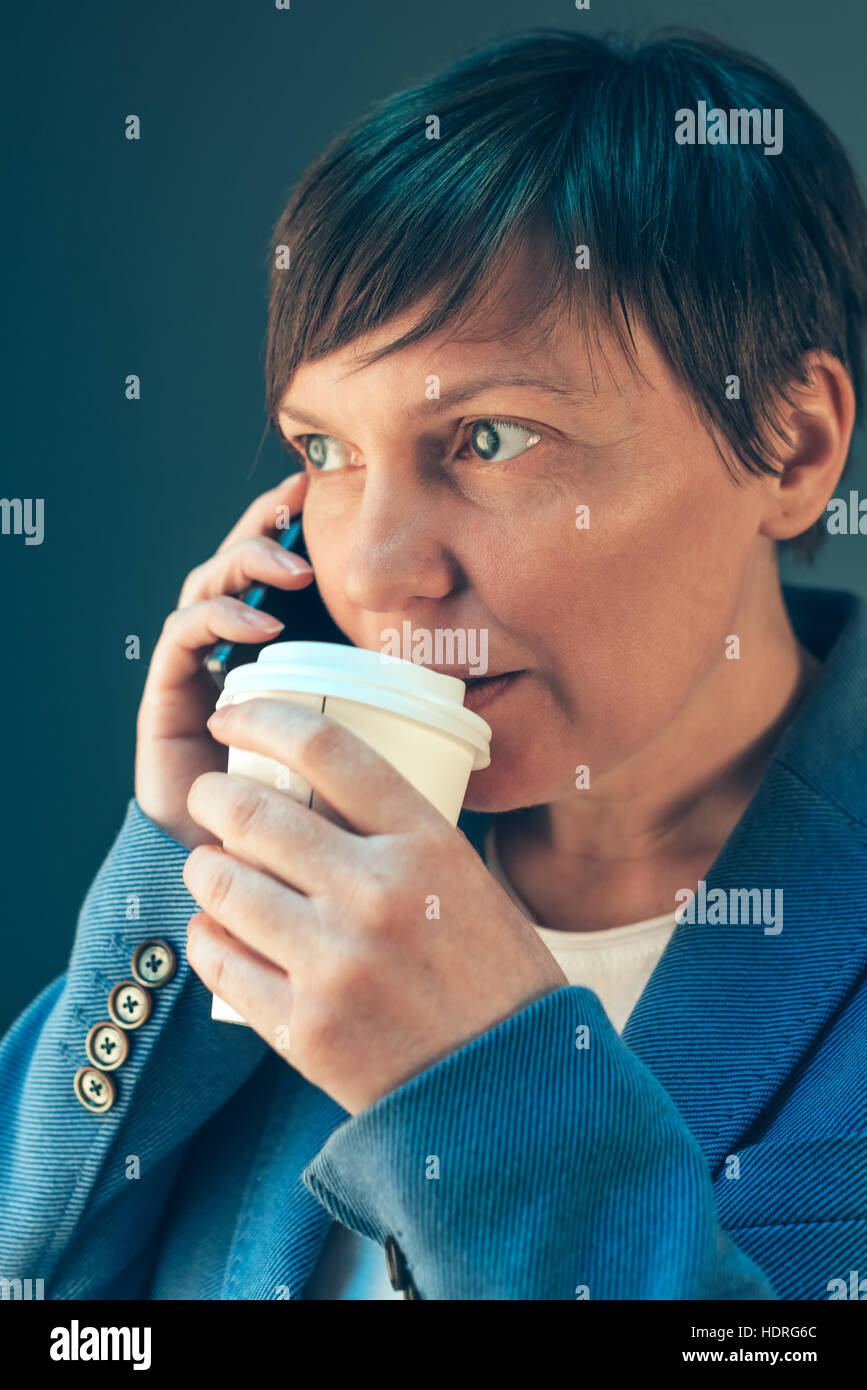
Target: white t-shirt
{"type": "Point", "coordinates": [615, 963]}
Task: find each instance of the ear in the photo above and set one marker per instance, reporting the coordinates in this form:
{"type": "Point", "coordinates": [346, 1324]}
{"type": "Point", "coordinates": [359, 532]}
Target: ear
{"type": "Point", "coordinates": [819, 429]}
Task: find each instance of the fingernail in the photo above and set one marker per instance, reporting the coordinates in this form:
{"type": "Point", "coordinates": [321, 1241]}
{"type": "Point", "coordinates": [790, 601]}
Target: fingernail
{"type": "Point", "coordinates": [295, 563]}
{"type": "Point", "coordinates": [260, 620]}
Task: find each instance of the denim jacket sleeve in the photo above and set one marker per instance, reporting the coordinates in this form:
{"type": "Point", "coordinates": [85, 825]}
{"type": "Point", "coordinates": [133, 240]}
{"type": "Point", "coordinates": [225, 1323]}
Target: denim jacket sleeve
{"type": "Point", "coordinates": [542, 1160]}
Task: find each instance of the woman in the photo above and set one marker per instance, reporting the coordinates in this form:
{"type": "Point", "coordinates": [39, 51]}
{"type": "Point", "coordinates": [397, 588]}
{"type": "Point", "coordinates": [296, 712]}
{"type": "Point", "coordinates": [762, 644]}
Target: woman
{"type": "Point", "coordinates": [557, 377]}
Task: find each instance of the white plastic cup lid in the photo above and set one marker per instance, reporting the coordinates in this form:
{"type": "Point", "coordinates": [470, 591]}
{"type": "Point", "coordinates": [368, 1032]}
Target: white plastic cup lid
{"type": "Point", "coordinates": [369, 678]}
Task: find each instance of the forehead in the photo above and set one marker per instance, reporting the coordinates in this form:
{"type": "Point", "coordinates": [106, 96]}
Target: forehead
{"type": "Point", "coordinates": [512, 322]}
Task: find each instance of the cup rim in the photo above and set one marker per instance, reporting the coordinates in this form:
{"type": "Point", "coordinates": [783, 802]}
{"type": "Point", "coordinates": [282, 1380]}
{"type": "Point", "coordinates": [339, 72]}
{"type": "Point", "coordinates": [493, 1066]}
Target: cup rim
{"type": "Point", "coordinates": [421, 705]}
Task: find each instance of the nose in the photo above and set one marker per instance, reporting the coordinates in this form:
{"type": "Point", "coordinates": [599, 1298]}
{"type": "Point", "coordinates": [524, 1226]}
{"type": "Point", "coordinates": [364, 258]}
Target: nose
{"type": "Point", "coordinates": [399, 551]}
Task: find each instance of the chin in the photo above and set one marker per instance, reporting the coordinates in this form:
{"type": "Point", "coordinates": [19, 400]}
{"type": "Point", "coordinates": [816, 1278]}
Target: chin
{"type": "Point", "coordinates": [496, 789]}
{"type": "Point", "coordinates": [524, 770]}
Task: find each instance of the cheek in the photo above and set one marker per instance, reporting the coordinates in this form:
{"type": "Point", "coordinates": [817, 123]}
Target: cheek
{"type": "Point", "coordinates": [678, 568]}
{"type": "Point", "coordinates": [328, 529]}
{"type": "Point", "coordinates": [629, 614]}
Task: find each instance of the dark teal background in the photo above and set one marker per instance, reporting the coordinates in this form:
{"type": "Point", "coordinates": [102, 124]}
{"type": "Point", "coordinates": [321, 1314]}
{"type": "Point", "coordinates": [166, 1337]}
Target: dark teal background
{"type": "Point", "coordinates": [149, 257]}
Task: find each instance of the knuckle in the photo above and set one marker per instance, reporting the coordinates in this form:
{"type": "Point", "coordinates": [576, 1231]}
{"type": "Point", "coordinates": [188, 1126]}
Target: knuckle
{"type": "Point", "coordinates": [225, 605]}
{"type": "Point", "coordinates": [197, 945]}
{"type": "Point", "coordinates": [189, 586]}
{"type": "Point", "coordinates": [390, 926]}
{"type": "Point", "coordinates": [433, 835]}
{"type": "Point", "coordinates": [322, 742]}
{"type": "Point", "coordinates": [262, 546]}
{"type": "Point", "coordinates": [430, 856]}
{"type": "Point", "coordinates": [220, 888]}
{"type": "Point", "coordinates": [373, 904]}
{"type": "Point", "coordinates": [216, 875]}
{"type": "Point", "coordinates": [247, 813]}
{"type": "Point", "coordinates": [220, 961]}
{"type": "Point", "coordinates": [170, 624]}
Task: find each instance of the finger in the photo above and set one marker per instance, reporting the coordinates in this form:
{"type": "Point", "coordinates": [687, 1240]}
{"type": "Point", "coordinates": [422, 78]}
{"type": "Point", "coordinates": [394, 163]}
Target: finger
{"type": "Point", "coordinates": [233, 569]}
{"type": "Point", "coordinates": [263, 514]}
{"type": "Point", "coordinates": [188, 631]}
{"type": "Point", "coordinates": [269, 917]}
{"type": "Point", "coordinates": [274, 832]}
{"type": "Point", "coordinates": [371, 795]}
{"type": "Point", "coordinates": [257, 989]}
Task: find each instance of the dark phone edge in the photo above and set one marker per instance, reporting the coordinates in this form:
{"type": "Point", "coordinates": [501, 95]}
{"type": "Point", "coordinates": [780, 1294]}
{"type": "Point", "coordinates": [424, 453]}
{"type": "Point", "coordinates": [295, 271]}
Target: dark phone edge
{"type": "Point", "coordinates": [216, 662]}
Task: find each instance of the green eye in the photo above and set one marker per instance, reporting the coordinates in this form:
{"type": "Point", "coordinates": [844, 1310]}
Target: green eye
{"type": "Point", "coordinates": [320, 454]}
{"type": "Point", "coordinates": [497, 441]}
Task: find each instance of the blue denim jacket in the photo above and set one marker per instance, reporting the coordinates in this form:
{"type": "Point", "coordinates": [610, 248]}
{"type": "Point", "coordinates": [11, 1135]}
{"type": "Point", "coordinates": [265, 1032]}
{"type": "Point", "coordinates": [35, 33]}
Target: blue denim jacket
{"type": "Point", "coordinates": [718, 1149]}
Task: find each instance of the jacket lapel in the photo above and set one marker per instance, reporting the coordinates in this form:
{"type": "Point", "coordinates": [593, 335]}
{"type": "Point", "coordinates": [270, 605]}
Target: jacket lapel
{"type": "Point", "coordinates": [732, 1009]}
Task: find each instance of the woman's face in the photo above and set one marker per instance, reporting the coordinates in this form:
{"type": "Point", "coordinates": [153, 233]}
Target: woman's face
{"type": "Point", "coordinates": [413, 514]}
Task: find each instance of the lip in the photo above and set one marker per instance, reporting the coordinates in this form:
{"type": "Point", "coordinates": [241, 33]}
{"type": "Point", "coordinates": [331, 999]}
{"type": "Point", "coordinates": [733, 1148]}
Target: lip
{"type": "Point", "coordinates": [465, 673]}
{"type": "Point", "coordinates": [483, 690]}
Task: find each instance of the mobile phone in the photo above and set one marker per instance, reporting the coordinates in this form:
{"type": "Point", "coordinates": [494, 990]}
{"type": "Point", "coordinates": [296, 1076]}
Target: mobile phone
{"type": "Point", "coordinates": [305, 616]}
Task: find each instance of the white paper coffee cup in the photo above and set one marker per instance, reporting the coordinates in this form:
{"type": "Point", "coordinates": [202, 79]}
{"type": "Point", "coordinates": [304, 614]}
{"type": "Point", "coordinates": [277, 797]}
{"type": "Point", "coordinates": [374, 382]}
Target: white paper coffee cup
{"type": "Point", "coordinates": [414, 717]}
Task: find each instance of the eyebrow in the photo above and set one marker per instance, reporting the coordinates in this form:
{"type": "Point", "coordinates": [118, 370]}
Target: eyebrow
{"type": "Point", "coordinates": [561, 390]}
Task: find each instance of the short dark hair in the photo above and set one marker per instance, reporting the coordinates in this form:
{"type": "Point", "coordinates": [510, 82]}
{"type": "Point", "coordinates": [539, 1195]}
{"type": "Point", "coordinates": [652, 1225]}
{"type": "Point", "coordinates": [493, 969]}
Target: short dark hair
{"type": "Point", "coordinates": [739, 262]}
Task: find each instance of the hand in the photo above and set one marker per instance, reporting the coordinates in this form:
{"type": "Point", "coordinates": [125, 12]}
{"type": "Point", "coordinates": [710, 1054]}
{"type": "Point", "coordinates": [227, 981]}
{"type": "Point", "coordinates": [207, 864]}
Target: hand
{"type": "Point", "coordinates": [172, 745]}
{"type": "Point", "coordinates": [320, 934]}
